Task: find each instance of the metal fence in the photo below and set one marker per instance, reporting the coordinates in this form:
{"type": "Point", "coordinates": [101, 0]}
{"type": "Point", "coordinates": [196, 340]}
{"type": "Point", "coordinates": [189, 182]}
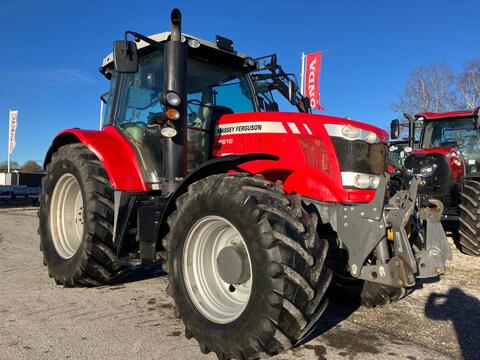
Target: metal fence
{"type": "Point", "coordinates": [10, 194]}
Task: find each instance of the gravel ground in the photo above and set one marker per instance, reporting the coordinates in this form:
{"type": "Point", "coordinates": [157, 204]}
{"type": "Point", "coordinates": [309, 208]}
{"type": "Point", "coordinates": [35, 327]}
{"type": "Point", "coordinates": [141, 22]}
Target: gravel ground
{"type": "Point", "coordinates": [135, 319]}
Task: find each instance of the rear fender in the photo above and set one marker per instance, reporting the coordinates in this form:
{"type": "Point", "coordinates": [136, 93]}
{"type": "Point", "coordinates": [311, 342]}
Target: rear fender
{"type": "Point", "coordinates": [112, 149]}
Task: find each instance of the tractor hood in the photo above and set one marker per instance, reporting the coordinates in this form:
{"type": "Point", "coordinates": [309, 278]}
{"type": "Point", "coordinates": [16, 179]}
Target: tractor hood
{"type": "Point", "coordinates": [428, 162]}
{"type": "Point", "coordinates": [319, 156]}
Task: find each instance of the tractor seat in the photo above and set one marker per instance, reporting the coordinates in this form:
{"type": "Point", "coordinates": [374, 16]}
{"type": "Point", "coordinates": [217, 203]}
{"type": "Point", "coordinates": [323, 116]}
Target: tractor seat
{"type": "Point", "coordinates": [135, 132]}
{"type": "Point", "coordinates": [202, 118]}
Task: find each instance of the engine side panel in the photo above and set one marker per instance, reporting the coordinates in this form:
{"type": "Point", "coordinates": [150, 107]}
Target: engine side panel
{"type": "Point", "coordinates": [111, 148]}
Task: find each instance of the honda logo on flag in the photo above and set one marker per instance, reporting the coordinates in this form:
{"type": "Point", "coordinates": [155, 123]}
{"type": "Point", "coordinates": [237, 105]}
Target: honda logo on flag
{"type": "Point", "coordinates": [310, 81]}
{"type": "Point", "coordinates": [12, 126]}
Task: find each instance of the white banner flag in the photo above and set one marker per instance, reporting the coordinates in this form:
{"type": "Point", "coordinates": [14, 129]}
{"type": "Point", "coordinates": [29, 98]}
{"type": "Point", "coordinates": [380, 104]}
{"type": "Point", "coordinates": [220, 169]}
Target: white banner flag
{"type": "Point", "coordinates": [12, 126]}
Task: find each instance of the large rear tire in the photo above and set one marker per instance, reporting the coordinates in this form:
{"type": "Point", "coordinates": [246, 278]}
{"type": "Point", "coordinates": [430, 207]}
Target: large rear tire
{"type": "Point", "coordinates": [469, 229]}
{"type": "Point", "coordinates": [76, 220]}
{"type": "Point", "coordinates": [277, 292]}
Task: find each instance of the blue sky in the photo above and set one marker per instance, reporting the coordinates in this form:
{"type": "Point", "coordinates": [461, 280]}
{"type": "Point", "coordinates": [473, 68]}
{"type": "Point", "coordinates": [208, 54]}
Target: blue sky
{"type": "Point", "coordinates": [51, 51]}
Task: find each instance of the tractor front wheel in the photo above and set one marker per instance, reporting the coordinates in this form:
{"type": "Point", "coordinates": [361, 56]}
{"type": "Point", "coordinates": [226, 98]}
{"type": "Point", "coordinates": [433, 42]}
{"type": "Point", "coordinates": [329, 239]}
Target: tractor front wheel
{"type": "Point", "coordinates": [246, 268]}
{"type": "Point", "coordinates": [469, 218]}
{"type": "Point", "coordinates": [76, 220]}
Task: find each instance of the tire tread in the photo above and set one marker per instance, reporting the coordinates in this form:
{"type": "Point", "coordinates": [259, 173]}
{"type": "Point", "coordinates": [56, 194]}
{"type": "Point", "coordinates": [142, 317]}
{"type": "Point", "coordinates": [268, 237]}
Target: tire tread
{"type": "Point", "coordinates": [289, 230]}
{"type": "Point", "coordinates": [469, 237]}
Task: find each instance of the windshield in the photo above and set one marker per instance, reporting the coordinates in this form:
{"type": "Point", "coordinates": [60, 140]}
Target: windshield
{"type": "Point", "coordinates": [461, 133]}
{"type": "Point", "coordinates": [396, 155]}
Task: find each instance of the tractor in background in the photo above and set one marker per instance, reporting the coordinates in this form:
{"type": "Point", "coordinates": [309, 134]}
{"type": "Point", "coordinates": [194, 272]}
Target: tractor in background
{"type": "Point", "coordinates": [251, 211]}
{"type": "Point", "coordinates": [447, 161]}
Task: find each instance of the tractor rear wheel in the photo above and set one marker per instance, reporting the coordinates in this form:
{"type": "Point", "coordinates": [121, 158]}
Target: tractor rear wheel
{"type": "Point", "coordinates": [469, 218]}
{"type": "Point", "coordinates": [246, 268]}
{"type": "Point", "coordinates": [76, 220]}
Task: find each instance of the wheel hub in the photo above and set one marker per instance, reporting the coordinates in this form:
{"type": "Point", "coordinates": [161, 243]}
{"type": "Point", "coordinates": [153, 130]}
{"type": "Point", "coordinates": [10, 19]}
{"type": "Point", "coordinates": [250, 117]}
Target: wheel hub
{"type": "Point", "coordinates": [217, 269]}
{"type": "Point", "coordinates": [233, 265]}
{"type": "Point", "coordinates": [66, 216]}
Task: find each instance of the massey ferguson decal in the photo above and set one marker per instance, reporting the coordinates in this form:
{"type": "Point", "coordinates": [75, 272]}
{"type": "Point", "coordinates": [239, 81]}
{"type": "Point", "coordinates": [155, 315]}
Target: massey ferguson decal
{"type": "Point", "coordinates": [250, 127]}
{"type": "Point", "coordinates": [312, 71]}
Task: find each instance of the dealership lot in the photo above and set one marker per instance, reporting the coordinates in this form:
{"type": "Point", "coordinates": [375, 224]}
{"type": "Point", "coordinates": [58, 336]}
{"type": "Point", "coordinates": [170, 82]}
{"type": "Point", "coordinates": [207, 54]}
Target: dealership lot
{"type": "Point", "coordinates": [135, 319]}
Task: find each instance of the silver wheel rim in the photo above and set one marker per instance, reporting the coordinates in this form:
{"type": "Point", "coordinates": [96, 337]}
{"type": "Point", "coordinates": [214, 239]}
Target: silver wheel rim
{"type": "Point", "coordinates": [66, 216]}
{"type": "Point", "coordinates": [211, 295]}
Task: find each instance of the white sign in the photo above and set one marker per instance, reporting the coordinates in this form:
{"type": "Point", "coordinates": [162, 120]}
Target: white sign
{"type": "Point", "coordinates": [12, 126]}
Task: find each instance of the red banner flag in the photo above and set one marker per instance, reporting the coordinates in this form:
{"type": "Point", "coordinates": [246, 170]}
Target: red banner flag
{"type": "Point", "coordinates": [310, 81]}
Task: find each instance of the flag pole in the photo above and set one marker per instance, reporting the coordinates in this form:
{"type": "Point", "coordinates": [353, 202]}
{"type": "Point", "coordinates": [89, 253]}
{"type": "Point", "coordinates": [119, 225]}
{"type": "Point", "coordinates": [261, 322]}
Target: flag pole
{"type": "Point", "coordinates": [302, 90]}
{"type": "Point", "coordinates": [8, 142]}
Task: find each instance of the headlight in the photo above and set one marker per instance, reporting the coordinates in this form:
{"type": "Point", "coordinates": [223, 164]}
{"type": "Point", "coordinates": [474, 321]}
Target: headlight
{"type": "Point", "coordinates": [172, 98]}
{"type": "Point", "coordinates": [360, 181]}
{"type": "Point", "coordinates": [428, 170]}
{"type": "Point", "coordinates": [351, 133]}
{"type": "Point", "coordinates": [193, 43]}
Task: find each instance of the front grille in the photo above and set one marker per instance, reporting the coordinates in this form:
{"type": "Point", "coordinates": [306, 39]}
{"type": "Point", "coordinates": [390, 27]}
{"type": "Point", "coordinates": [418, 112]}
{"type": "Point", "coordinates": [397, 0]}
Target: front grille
{"type": "Point", "coordinates": [439, 182]}
{"type": "Point", "coordinates": [315, 153]}
{"type": "Point", "coordinates": [360, 156]}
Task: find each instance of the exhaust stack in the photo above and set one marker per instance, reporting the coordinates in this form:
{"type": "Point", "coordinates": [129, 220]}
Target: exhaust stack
{"type": "Point", "coordinates": [175, 80]}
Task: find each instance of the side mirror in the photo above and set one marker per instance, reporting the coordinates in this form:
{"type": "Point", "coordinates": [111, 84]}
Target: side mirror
{"type": "Point", "coordinates": [125, 56]}
{"type": "Point", "coordinates": [395, 129]}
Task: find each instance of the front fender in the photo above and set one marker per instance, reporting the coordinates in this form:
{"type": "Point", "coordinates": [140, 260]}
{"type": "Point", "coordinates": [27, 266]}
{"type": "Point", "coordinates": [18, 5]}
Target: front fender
{"type": "Point", "coordinates": [214, 166]}
{"type": "Point", "coordinates": [112, 149]}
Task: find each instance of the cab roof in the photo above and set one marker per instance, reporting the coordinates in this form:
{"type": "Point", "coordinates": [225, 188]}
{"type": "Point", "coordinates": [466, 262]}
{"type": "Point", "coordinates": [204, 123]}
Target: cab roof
{"type": "Point", "coordinates": [446, 115]}
{"type": "Point", "coordinates": [163, 37]}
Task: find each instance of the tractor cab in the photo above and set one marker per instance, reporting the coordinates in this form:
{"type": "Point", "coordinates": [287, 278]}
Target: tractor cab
{"type": "Point", "coordinates": [459, 132]}
{"type": "Point", "coordinates": [219, 81]}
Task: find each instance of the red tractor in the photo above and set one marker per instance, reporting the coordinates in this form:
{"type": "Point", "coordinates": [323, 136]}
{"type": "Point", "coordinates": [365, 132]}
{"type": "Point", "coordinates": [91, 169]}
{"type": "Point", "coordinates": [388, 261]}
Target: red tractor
{"type": "Point", "coordinates": [250, 210]}
{"type": "Point", "coordinates": [447, 160]}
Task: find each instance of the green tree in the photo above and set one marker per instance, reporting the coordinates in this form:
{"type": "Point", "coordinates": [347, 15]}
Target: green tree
{"type": "Point", "coordinates": [13, 166]}
{"type": "Point", "coordinates": [429, 88]}
{"type": "Point", "coordinates": [468, 84]}
{"type": "Point", "coordinates": [31, 166]}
